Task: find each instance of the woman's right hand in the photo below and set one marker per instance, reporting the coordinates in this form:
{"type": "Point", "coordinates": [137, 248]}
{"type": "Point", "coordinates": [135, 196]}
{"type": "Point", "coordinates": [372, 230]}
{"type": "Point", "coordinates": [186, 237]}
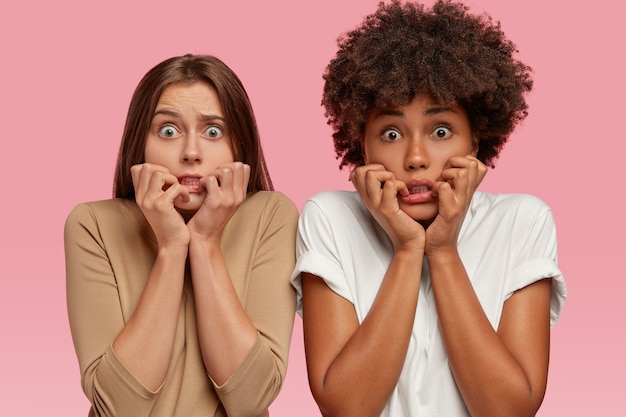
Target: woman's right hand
{"type": "Point", "coordinates": [155, 191]}
{"type": "Point", "coordinates": [379, 191]}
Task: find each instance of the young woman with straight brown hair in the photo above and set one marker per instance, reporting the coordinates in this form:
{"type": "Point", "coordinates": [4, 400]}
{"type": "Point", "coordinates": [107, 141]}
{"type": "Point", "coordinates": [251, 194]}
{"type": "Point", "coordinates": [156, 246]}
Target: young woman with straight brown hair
{"type": "Point", "coordinates": [178, 288]}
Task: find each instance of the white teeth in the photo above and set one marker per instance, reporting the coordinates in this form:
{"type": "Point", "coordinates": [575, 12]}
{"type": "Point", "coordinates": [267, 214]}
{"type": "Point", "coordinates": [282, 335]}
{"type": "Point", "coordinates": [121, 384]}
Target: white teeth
{"type": "Point", "coordinates": [418, 189]}
{"type": "Point", "coordinates": [190, 181]}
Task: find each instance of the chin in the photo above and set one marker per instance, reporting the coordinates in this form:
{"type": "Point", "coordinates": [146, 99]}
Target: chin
{"type": "Point", "coordinates": [194, 203]}
{"type": "Point", "coordinates": [423, 212]}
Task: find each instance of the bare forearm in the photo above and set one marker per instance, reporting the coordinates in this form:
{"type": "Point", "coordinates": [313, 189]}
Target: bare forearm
{"type": "Point", "coordinates": [225, 332]}
{"type": "Point", "coordinates": [490, 379]}
{"type": "Point", "coordinates": [145, 344]}
{"type": "Point", "coordinates": [377, 350]}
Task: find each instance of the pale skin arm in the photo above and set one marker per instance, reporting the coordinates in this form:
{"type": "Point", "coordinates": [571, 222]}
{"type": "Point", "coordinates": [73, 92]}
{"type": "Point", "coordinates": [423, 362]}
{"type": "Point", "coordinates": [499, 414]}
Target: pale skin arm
{"type": "Point", "coordinates": [145, 344]}
{"type": "Point", "coordinates": [499, 373]}
{"type": "Point", "coordinates": [225, 332]}
{"type": "Point", "coordinates": [341, 354]}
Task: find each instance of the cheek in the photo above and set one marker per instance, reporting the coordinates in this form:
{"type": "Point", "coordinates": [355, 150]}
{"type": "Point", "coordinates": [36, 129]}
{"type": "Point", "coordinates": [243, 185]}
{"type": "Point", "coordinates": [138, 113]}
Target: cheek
{"type": "Point", "coordinates": [220, 153]}
{"type": "Point", "coordinates": [443, 155]}
{"type": "Point", "coordinates": [385, 155]}
{"type": "Point", "coordinates": [150, 156]}
{"type": "Point", "coordinates": [155, 154]}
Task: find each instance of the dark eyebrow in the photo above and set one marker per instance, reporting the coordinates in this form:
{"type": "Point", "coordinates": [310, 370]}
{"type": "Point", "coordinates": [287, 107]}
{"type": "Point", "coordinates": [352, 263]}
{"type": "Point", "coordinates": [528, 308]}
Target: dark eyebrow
{"type": "Point", "coordinates": [388, 112]}
{"type": "Point", "coordinates": [171, 113]}
{"type": "Point", "coordinates": [211, 117]}
{"type": "Point", "coordinates": [166, 113]}
{"type": "Point", "coordinates": [437, 110]}
{"type": "Point", "coordinates": [428, 112]}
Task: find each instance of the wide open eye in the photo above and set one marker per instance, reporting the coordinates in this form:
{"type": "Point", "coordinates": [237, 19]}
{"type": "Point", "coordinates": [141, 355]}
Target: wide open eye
{"type": "Point", "coordinates": [391, 135]}
{"type": "Point", "coordinates": [214, 132]}
{"type": "Point", "coordinates": [441, 132]}
{"type": "Point", "coordinates": [168, 131]}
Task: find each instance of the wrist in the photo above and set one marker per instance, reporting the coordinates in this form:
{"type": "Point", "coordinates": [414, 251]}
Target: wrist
{"type": "Point", "coordinates": [412, 247]}
{"type": "Point", "coordinates": [173, 250]}
{"type": "Point", "coordinates": [409, 253]}
{"type": "Point", "coordinates": [204, 243]}
{"type": "Point", "coordinates": [443, 255]}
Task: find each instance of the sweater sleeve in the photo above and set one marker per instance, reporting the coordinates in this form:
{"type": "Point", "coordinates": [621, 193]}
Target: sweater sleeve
{"type": "Point", "coordinates": [270, 304]}
{"type": "Point", "coordinates": [95, 317]}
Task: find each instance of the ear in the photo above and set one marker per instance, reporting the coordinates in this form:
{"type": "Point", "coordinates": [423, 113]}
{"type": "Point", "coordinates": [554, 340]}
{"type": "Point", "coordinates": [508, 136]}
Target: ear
{"type": "Point", "coordinates": [475, 145]}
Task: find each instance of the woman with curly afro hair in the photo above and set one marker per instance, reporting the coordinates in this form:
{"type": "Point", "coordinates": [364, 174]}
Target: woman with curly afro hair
{"type": "Point", "coordinates": [421, 295]}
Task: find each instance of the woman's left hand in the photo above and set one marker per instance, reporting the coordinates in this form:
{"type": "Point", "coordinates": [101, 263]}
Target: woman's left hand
{"type": "Point", "coordinates": [459, 180]}
{"type": "Point", "coordinates": [226, 189]}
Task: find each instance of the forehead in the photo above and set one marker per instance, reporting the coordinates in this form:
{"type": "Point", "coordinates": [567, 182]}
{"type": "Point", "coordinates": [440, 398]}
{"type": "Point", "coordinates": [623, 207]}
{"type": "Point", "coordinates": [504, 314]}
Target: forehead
{"type": "Point", "coordinates": [196, 94]}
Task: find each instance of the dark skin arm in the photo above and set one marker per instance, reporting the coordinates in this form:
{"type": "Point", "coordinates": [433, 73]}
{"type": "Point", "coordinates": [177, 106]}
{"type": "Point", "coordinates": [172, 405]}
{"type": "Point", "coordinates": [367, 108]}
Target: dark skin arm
{"type": "Point", "coordinates": [499, 373]}
{"type": "Point", "coordinates": [341, 354]}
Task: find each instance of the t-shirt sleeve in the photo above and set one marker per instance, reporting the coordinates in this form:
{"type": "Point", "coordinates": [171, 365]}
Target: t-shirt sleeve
{"type": "Point", "coordinates": [536, 248]}
{"type": "Point", "coordinates": [317, 252]}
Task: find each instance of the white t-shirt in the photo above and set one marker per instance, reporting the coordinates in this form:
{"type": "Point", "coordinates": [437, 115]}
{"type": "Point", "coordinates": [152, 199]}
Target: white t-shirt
{"type": "Point", "coordinates": [506, 242]}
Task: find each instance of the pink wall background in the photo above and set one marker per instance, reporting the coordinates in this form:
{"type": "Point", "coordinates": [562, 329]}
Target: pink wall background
{"type": "Point", "coordinates": [68, 71]}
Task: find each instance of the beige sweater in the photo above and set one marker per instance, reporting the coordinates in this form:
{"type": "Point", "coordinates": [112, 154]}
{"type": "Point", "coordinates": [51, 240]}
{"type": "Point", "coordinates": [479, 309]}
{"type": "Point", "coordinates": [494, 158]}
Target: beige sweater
{"type": "Point", "coordinates": [110, 249]}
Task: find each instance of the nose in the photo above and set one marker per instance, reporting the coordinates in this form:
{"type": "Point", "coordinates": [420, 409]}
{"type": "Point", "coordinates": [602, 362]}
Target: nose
{"type": "Point", "coordinates": [191, 151]}
{"type": "Point", "coordinates": [416, 155]}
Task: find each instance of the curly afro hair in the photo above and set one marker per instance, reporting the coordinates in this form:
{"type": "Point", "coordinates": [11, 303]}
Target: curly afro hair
{"type": "Point", "coordinates": [403, 50]}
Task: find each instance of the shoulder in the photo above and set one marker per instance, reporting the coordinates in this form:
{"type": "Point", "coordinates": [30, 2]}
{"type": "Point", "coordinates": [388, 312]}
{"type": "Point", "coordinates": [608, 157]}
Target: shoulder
{"type": "Point", "coordinates": [268, 198]}
{"type": "Point", "coordinates": [105, 215]}
{"type": "Point", "coordinates": [101, 209]}
{"type": "Point", "coordinates": [263, 216]}
{"type": "Point", "coordinates": [335, 197]}
{"type": "Point", "coordinates": [265, 208]}
{"type": "Point", "coordinates": [511, 217]}
{"type": "Point", "coordinates": [334, 202]}
{"type": "Point", "coordinates": [268, 202]}
{"type": "Point", "coordinates": [508, 205]}
{"type": "Point", "coordinates": [339, 216]}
